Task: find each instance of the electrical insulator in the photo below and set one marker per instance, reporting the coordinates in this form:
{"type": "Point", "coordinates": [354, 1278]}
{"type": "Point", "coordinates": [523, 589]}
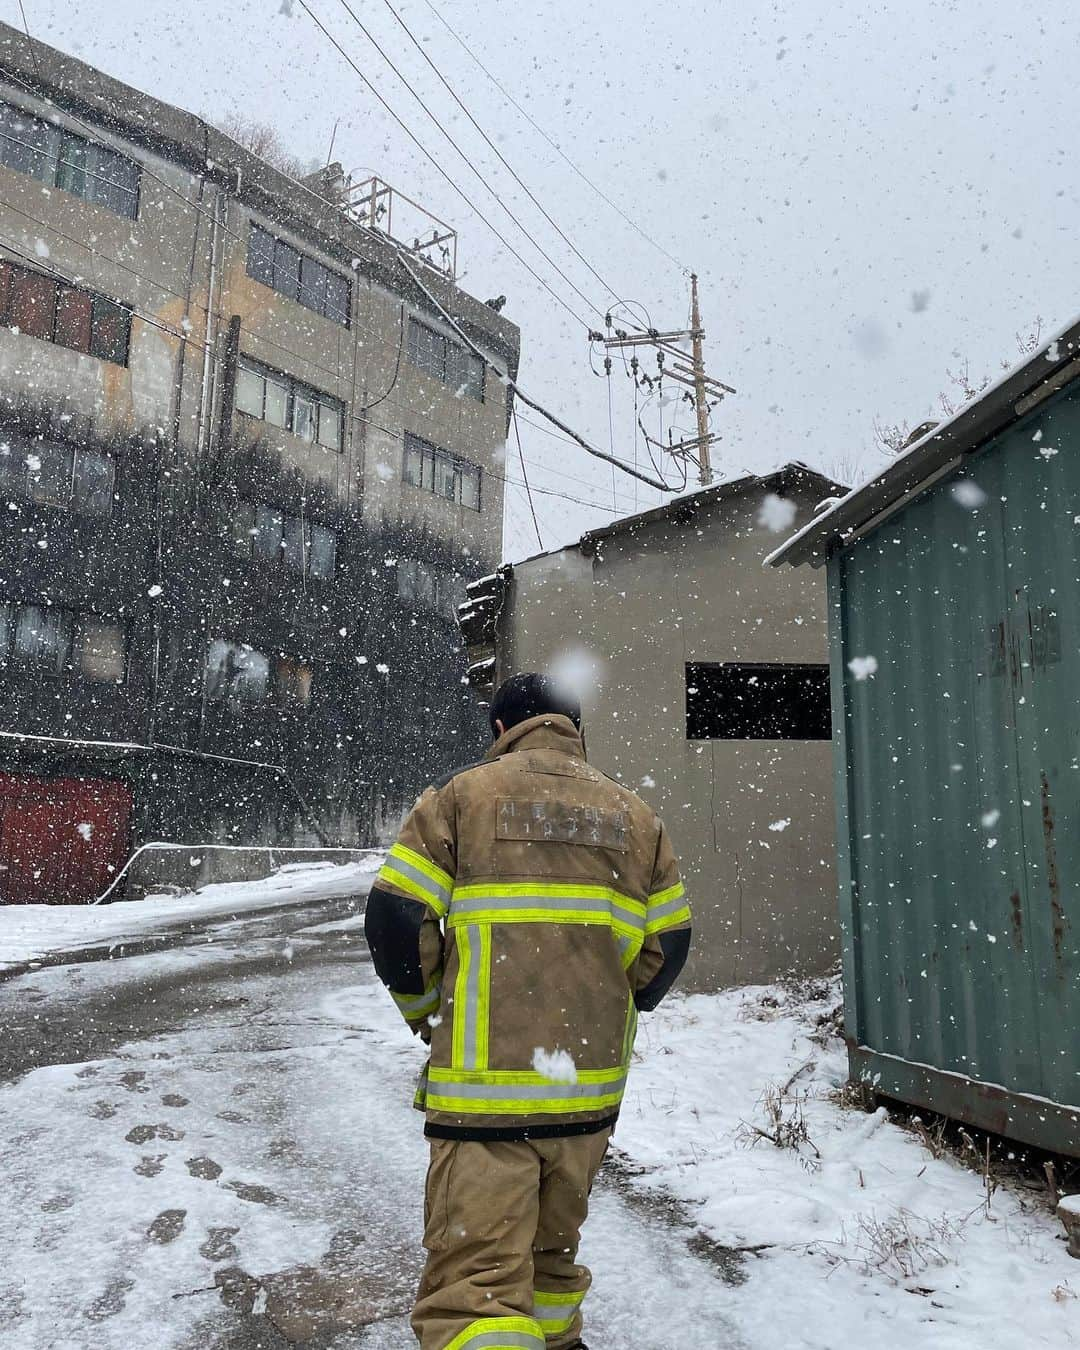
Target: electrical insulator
{"type": "Point", "coordinates": [607, 365]}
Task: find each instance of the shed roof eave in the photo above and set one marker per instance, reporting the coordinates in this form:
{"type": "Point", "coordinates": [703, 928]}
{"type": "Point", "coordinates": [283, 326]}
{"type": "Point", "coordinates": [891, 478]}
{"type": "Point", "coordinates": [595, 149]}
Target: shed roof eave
{"type": "Point", "coordinates": [941, 451]}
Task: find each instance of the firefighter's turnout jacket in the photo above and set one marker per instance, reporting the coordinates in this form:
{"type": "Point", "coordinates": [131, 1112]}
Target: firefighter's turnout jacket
{"type": "Point", "coordinates": [530, 908]}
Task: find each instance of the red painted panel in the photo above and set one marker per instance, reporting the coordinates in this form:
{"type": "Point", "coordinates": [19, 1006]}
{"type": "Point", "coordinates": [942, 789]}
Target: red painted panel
{"type": "Point", "coordinates": [62, 840]}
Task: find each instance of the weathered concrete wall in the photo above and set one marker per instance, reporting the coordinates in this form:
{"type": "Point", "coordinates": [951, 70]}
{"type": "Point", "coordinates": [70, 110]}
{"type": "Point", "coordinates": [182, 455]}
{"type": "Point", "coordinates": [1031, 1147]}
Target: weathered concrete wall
{"type": "Point", "coordinates": [632, 617]}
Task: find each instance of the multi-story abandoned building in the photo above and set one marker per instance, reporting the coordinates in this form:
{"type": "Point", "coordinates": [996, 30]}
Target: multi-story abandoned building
{"type": "Point", "coordinates": [246, 465]}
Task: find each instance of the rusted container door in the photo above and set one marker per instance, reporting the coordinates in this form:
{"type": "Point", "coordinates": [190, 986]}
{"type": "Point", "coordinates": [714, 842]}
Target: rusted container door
{"type": "Point", "coordinates": [62, 840]}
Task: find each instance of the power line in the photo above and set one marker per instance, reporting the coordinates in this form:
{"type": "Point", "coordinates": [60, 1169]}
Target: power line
{"type": "Point", "coordinates": [501, 157]}
{"type": "Point", "coordinates": [525, 477]}
{"type": "Point", "coordinates": [472, 167]}
{"type": "Point", "coordinates": [438, 167]}
{"type": "Point", "coordinates": [562, 155]}
{"type": "Point", "coordinates": [516, 389]}
{"type": "Point", "coordinates": [503, 376]}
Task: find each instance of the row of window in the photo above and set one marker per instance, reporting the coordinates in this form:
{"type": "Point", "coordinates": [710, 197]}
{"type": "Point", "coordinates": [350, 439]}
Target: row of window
{"type": "Point", "coordinates": [50, 641]}
{"type": "Point", "coordinates": [298, 276]}
{"type": "Point", "coordinates": [49, 309]}
{"type": "Point", "coordinates": [239, 676]}
{"type": "Point", "coordinates": [52, 473]}
{"type": "Point", "coordinates": [446, 360]}
{"type": "Point", "coordinates": [272, 536]}
{"type": "Point", "coordinates": [447, 475]}
{"type": "Point", "coordinates": [60, 158]}
{"type": "Point", "coordinates": [284, 402]}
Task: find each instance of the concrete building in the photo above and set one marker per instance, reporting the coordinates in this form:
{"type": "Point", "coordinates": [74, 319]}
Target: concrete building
{"type": "Point", "coordinates": [705, 688]}
{"type": "Point", "coordinates": [246, 466]}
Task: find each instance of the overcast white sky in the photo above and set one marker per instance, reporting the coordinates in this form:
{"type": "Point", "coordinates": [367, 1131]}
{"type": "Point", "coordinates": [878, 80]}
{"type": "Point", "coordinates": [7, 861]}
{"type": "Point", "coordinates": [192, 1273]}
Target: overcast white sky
{"type": "Point", "coordinates": [869, 192]}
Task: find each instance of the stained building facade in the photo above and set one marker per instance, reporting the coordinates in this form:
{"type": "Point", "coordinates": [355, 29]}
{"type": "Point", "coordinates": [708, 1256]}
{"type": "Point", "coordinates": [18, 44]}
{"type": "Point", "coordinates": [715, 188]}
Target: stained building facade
{"type": "Point", "coordinates": [247, 465]}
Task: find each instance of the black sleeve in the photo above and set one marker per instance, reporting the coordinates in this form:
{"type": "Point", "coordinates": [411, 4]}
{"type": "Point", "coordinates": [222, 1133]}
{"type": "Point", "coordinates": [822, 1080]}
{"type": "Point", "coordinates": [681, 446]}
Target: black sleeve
{"type": "Point", "coordinates": [675, 944]}
{"type": "Point", "coordinates": [392, 928]}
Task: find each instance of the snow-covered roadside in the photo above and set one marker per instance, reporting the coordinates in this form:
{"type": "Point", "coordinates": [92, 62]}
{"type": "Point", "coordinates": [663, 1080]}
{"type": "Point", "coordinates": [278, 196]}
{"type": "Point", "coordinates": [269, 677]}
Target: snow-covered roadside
{"type": "Point", "coordinates": [873, 1243]}
{"type": "Point", "coordinates": [31, 932]}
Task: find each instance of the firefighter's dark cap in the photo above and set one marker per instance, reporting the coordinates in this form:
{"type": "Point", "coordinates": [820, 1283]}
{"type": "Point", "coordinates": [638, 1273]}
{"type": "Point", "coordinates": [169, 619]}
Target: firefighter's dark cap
{"type": "Point", "coordinates": [530, 695]}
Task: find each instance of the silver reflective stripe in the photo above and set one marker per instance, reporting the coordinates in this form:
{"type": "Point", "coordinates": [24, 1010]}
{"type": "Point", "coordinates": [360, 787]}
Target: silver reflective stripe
{"type": "Point", "coordinates": [669, 907]}
{"type": "Point", "coordinates": [512, 1340]}
{"type": "Point", "coordinates": [440, 1087]}
{"type": "Point", "coordinates": [625, 943]}
{"type": "Point", "coordinates": [414, 873]}
{"type": "Point", "coordinates": [507, 904]}
{"type": "Point", "coordinates": [472, 996]}
{"type": "Point", "coordinates": [415, 1004]}
{"type": "Point", "coordinates": [556, 1312]}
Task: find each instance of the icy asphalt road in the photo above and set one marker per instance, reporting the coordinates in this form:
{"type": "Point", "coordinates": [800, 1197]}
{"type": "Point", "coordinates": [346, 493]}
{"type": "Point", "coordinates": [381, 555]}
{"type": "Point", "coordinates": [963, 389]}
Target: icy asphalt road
{"type": "Point", "coordinates": [237, 1108]}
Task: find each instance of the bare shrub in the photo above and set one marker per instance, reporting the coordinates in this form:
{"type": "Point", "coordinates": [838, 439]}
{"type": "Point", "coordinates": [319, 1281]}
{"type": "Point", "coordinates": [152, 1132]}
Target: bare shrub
{"type": "Point", "coordinates": [785, 1125]}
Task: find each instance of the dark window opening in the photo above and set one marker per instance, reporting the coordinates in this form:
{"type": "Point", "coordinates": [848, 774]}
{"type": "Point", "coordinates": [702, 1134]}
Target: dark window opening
{"type": "Point", "coordinates": [446, 360]}
{"type": "Point", "coordinates": [274, 397]}
{"type": "Point", "coordinates": [42, 307]}
{"type": "Point", "coordinates": [299, 277]}
{"type": "Point", "coordinates": [53, 473]}
{"type": "Point", "coordinates": [426, 466]}
{"type": "Point", "coordinates": [62, 159]}
{"type": "Point", "coordinates": [45, 640]}
{"type": "Point", "coordinates": [743, 701]}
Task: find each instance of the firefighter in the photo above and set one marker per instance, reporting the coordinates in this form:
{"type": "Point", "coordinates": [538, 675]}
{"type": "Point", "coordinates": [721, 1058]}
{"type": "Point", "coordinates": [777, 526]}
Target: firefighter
{"type": "Point", "coordinates": [530, 909]}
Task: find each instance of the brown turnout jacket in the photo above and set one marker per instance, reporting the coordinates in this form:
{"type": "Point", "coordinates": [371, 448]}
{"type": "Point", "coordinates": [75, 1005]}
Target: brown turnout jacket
{"type": "Point", "coordinates": [529, 909]}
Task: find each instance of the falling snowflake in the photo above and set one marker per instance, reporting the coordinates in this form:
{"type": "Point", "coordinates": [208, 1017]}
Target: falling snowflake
{"type": "Point", "coordinates": [779, 825]}
{"type": "Point", "coordinates": [41, 248]}
{"type": "Point", "coordinates": [776, 514]}
{"type": "Point", "coordinates": [990, 819]}
{"type": "Point", "coordinates": [862, 667]}
{"type": "Point", "coordinates": [85, 829]}
{"type": "Point", "coordinates": [968, 494]}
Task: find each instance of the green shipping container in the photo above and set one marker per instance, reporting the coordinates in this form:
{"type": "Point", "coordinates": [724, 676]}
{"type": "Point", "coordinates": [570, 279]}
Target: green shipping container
{"type": "Point", "coordinates": [957, 753]}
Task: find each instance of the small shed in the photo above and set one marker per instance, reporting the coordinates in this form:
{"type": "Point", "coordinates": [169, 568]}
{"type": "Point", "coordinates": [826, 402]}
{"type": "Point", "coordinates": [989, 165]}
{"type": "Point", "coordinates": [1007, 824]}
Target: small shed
{"type": "Point", "coordinates": [954, 624]}
{"type": "Point", "coordinates": [705, 689]}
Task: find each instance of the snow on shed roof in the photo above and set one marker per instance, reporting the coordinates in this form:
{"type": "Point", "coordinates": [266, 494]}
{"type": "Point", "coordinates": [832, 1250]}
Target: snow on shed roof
{"type": "Point", "coordinates": [939, 453]}
{"type": "Point", "coordinates": [682, 510]}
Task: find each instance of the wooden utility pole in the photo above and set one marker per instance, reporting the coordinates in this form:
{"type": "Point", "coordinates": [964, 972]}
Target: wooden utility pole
{"type": "Point", "coordinates": [674, 364]}
{"type": "Point", "coordinates": [704, 462]}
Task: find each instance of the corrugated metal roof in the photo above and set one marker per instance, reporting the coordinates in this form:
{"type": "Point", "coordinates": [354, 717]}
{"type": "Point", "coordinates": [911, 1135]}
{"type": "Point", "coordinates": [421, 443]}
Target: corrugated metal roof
{"type": "Point", "coordinates": [939, 453]}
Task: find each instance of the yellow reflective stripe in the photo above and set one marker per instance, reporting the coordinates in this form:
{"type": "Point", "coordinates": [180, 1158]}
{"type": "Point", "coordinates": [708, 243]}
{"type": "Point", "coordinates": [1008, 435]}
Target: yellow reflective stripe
{"type": "Point", "coordinates": [459, 1040]}
{"type": "Point", "coordinates": [556, 1312]}
{"type": "Point", "coordinates": [500, 1333]}
{"type": "Point", "coordinates": [556, 890]}
{"type": "Point", "coordinates": [630, 1031]}
{"type": "Point", "coordinates": [681, 915]}
{"type": "Point", "coordinates": [483, 996]}
{"type": "Point", "coordinates": [507, 1092]}
{"type": "Point", "coordinates": [415, 1007]}
{"type": "Point", "coordinates": [414, 888]}
{"type": "Point", "coordinates": [535, 915]}
{"type": "Point", "coordinates": [629, 947]}
{"type": "Point", "coordinates": [520, 1106]}
{"type": "Point", "coordinates": [441, 878]}
{"type": "Point", "coordinates": [675, 892]}
{"type": "Point", "coordinates": [667, 909]}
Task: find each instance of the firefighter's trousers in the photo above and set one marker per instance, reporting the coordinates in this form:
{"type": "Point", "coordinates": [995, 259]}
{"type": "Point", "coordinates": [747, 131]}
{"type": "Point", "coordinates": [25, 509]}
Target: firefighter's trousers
{"type": "Point", "coordinates": [502, 1223]}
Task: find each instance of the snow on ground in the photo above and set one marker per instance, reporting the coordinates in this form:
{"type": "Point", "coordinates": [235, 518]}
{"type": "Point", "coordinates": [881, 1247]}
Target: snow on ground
{"type": "Point", "coordinates": [30, 932]}
{"type": "Point", "coordinates": [873, 1243]}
